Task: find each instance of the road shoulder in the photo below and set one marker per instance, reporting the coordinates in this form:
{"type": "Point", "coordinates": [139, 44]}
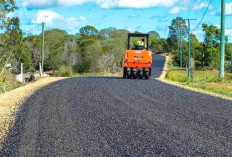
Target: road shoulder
{"type": "Point", "coordinates": [11, 101]}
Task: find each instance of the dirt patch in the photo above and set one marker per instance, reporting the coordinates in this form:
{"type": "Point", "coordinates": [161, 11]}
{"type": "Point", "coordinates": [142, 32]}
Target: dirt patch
{"type": "Point", "coordinates": [10, 102]}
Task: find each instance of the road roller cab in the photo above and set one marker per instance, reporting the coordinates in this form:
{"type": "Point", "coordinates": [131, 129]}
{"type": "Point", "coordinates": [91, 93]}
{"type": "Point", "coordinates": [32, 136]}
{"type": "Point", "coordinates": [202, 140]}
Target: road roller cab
{"type": "Point", "coordinates": [137, 59]}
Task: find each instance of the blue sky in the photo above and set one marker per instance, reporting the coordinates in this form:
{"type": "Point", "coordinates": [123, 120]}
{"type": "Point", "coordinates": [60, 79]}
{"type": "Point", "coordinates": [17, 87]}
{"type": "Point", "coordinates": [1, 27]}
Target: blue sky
{"type": "Point", "coordinates": [134, 15]}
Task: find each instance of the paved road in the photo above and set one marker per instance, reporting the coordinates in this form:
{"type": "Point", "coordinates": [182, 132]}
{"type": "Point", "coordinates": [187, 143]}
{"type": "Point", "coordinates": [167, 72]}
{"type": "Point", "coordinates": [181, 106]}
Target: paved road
{"type": "Point", "coordinates": [117, 117]}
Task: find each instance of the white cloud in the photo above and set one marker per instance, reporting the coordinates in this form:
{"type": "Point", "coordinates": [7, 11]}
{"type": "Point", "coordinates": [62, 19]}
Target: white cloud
{"type": "Point", "coordinates": [218, 26]}
{"type": "Point", "coordinates": [228, 32]}
{"type": "Point", "coordinates": [200, 6]}
{"type": "Point", "coordinates": [229, 9]}
{"type": "Point", "coordinates": [176, 10]}
{"type": "Point", "coordinates": [53, 19]}
{"type": "Point", "coordinates": [46, 16]}
{"type": "Point", "coordinates": [102, 3]}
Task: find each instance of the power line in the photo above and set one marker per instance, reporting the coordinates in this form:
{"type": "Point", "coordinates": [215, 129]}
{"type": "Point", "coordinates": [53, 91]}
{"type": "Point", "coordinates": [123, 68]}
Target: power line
{"type": "Point", "coordinates": [191, 9]}
{"type": "Point", "coordinates": [32, 28]}
{"type": "Point", "coordinates": [203, 15]}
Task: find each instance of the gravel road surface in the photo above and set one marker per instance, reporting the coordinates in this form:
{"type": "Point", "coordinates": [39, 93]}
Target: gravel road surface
{"type": "Point", "coordinates": [115, 117]}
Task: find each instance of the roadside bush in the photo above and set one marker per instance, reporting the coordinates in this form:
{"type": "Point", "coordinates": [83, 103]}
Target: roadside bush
{"type": "Point", "coordinates": [64, 71]}
{"type": "Point", "coordinates": [228, 66]}
{"type": "Point", "coordinates": [82, 67]}
{"type": "Point", "coordinates": [8, 82]}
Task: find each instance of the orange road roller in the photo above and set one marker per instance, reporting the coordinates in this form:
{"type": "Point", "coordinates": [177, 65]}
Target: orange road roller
{"type": "Point", "coordinates": [138, 57]}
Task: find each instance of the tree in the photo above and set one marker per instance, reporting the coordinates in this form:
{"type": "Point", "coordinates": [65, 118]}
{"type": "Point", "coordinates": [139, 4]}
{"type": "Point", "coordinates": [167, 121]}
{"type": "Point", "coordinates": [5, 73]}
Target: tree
{"type": "Point", "coordinates": [158, 45]}
{"type": "Point", "coordinates": [172, 44]}
{"type": "Point", "coordinates": [107, 32]}
{"type": "Point", "coordinates": [7, 39]}
{"type": "Point", "coordinates": [228, 51]}
{"type": "Point", "coordinates": [89, 31]}
{"type": "Point", "coordinates": [12, 41]}
{"type": "Point", "coordinates": [211, 46]}
{"type": "Point", "coordinates": [34, 42]}
{"type": "Point", "coordinates": [6, 6]}
{"type": "Point", "coordinates": [25, 57]}
{"type": "Point", "coordinates": [178, 27]}
{"type": "Point", "coordinates": [196, 49]}
{"type": "Point", "coordinates": [138, 32]}
{"type": "Point", "coordinates": [54, 48]}
{"type": "Point", "coordinates": [154, 34]}
{"type": "Point", "coordinates": [212, 35]}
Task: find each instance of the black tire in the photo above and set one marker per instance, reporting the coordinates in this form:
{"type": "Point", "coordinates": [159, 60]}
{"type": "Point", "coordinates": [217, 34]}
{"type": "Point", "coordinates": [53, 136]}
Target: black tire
{"type": "Point", "coordinates": [134, 75]}
{"type": "Point", "coordinates": [124, 74]}
{"type": "Point", "coordinates": [141, 74]}
{"type": "Point", "coordinates": [146, 75]}
{"type": "Point", "coordinates": [129, 75]}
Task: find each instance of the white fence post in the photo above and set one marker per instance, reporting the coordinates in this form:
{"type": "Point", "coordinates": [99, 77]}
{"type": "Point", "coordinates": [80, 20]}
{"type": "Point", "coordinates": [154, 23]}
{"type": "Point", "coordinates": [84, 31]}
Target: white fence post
{"type": "Point", "coordinates": [22, 72]}
{"type": "Point", "coordinates": [40, 69]}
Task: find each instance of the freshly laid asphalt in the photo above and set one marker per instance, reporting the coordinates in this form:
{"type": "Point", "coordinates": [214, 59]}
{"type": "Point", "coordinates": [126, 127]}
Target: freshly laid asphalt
{"type": "Point", "coordinates": [111, 116]}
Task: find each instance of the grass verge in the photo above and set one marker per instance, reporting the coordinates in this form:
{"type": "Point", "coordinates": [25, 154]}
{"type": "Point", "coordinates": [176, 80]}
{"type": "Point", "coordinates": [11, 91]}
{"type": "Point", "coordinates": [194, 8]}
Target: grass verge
{"type": "Point", "coordinates": [207, 80]}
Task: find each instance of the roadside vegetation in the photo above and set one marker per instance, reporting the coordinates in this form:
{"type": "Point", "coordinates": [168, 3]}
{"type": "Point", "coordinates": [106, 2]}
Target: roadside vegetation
{"type": "Point", "coordinates": [205, 60]}
{"type": "Point", "coordinates": [92, 52]}
{"type": "Point", "coordinates": [204, 78]}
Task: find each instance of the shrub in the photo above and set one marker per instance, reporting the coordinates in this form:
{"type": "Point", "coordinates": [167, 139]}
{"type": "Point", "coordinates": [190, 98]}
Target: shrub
{"type": "Point", "coordinates": [64, 71]}
{"type": "Point", "coordinates": [82, 67]}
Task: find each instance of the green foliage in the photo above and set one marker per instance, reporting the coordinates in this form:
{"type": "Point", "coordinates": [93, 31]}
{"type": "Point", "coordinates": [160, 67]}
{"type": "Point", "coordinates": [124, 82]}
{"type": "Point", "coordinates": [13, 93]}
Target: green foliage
{"type": "Point", "coordinates": [228, 51]}
{"type": "Point", "coordinates": [154, 34]}
{"type": "Point", "coordinates": [64, 71]}
{"type": "Point", "coordinates": [178, 27]}
{"type": "Point", "coordinates": [211, 53]}
{"type": "Point", "coordinates": [92, 50]}
{"type": "Point", "coordinates": [11, 43]}
{"type": "Point", "coordinates": [89, 31]}
{"type": "Point", "coordinates": [6, 6]}
{"type": "Point", "coordinates": [158, 45]}
{"type": "Point", "coordinates": [26, 57]}
{"type": "Point", "coordinates": [7, 82]}
{"type": "Point", "coordinates": [54, 48]}
{"type": "Point", "coordinates": [212, 57]}
{"type": "Point", "coordinates": [82, 67]}
{"type": "Point", "coordinates": [172, 44]}
{"type": "Point", "coordinates": [107, 33]}
{"type": "Point", "coordinates": [204, 79]}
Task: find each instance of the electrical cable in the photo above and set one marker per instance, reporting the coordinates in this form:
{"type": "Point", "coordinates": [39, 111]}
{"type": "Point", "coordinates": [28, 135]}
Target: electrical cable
{"type": "Point", "coordinates": [203, 15]}
{"type": "Point", "coordinates": [32, 28]}
{"type": "Point", "coordinates": [191, 9]}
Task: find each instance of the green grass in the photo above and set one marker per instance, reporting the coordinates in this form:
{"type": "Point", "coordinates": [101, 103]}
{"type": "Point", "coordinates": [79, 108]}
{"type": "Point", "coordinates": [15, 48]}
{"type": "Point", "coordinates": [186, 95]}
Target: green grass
{"type": "Point", "coordinates": [207, 80]}
{"type": "Point", "coordinates": [8, 85]}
